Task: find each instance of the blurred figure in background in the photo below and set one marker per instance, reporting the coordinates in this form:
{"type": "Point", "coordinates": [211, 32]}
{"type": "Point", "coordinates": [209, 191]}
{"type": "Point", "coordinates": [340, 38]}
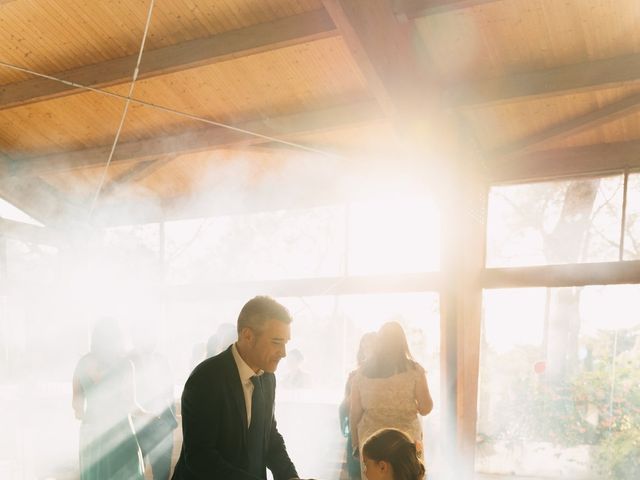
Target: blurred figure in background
{"type": "Point", "coordinates": [296, 376]}
{"type": "Point", "coordinates": [154, 392]}
{"type": "Point", "coordinates": [391, 455]}
{"type": "Point", "coordinates": [198, 353]}
{"type": "Point", "coordinates": [389, 391]}
{"type": "Point", "coordinates": [364, 351]}
{"type": "Point", "coordinates": [104, 400]}
{"type": "Point", "coordinates": [225, 335]}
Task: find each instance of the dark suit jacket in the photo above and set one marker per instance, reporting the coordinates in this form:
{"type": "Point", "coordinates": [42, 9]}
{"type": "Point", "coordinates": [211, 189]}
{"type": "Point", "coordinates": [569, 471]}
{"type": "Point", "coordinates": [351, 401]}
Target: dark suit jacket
{"type": "Point", "coordinates": [214, 426]}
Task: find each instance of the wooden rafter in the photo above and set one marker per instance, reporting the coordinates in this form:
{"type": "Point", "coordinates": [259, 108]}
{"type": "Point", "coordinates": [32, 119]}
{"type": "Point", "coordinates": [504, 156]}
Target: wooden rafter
{"type": "Point", "coordinates": [382, 48]}
{"type": "Point", "coordinates": [135, 173]}
{"type": "Point", "coordinates": [590, 120]}
{"type": "Point", "coordinates": [597, 74]}
{"type": "Point", "coordinates": [301, 28]}
{"type": "Point", "coordinates": [203, 139]}
{"type": "Point", "coordinates": [564, 162]}
{"type": "Point", "coordinates": [344, 15]}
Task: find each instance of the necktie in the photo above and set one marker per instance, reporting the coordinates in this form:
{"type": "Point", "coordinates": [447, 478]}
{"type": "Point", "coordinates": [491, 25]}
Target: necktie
{"type": "Point", "coordinates": [256, 432]}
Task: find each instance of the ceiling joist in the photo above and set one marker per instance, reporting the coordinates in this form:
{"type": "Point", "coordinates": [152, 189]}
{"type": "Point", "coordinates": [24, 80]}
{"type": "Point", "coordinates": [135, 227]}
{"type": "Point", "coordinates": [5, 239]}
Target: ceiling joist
{"type": "Point", "coordinates": [590, 120]}
{"type": "Point", "coordinates": [566, 162]}
{"type": "Point", "coordinates": [567, 79]}
{"type": "Point", "coordinates": [293, 30]}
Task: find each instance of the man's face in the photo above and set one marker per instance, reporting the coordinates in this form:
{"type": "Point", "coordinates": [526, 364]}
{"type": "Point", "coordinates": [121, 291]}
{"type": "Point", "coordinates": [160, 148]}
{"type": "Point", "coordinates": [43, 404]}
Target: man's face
{"type": "Point", "coordinates": [269, 347]}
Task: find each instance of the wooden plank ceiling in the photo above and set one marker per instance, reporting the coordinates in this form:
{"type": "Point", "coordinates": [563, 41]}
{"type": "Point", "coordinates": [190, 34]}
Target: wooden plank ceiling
{"type": "Point", "coordinates": [535, 89]}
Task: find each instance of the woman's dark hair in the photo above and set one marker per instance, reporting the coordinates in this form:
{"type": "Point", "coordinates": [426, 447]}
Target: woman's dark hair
{"type": "Point", "coordinates": [396, 448]}
{"type": "Point", "coordinates": [391, 353]}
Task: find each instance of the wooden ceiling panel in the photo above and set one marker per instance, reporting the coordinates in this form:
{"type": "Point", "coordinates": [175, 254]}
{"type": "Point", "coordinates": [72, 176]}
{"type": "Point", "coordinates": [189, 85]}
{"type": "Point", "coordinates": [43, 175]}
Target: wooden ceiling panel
{"type": "Point", "coordinates": [56, 35]}
{"type": "Point", "coordinates": [302, 77]}
{"type": "Point", "coordinates": [510, 36]}
{"type": "Point", "coordinates": [498, 126]}
{"type": "Point", "coordinates": [62, 124]}
{"type": "Point", "coordinates": [307, 76]}
{"type": "Point", "coordinates": [177, 21]}
{"type": "Point", "coordinates": [51, 36]}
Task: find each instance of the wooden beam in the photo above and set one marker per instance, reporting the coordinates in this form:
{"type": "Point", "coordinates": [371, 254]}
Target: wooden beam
{"type": "Point", "coordinates": [605, 273]}
{"type": "Point", "coordinates": [385, 52]}
{"type": "Point", "coordinates": [344, 14]}
{"type": "Point", "coordinates": [423, 8]}
{"type": "Point", "coordinates": [597, 159]}
{"type": "Point", "coordinates": [280, 33]}
{"type": "Point", "coordinates": [135, 173]}
{"type": "Point", "coordinates": [462, 261]}
{"type": "Point", "coordinates": [204, 139]}
{"type": "Point", "coordinates": [420, 282]}
{"type": "Point", "coordinates": [566, 79]}
{"type": "Point", "coordinates": [593, 119]}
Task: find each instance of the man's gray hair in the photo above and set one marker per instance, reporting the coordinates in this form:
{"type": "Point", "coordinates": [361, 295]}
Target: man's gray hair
{"type": "Point", "coordinates": [257, 311]}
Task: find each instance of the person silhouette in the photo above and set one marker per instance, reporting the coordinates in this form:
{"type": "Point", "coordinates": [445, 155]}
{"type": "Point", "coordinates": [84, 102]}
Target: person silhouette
{"type": "Point", "coordinates": [154, 392]}
{"type": "Point", "coordinates": [104, 401]}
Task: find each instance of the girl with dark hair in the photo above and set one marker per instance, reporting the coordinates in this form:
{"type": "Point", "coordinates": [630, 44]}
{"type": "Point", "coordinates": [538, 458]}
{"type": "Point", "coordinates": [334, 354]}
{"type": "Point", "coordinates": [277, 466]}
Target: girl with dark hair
{"type": "Point", "coordinates": [389, 391]}
{"type": "Point", "coordinates": [390, 454]}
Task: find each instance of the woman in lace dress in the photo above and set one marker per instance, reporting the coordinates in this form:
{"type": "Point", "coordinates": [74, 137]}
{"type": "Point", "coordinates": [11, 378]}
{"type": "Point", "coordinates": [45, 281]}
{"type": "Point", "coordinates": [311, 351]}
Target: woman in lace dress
{"type": "Point", "coordinates": [389, 391]}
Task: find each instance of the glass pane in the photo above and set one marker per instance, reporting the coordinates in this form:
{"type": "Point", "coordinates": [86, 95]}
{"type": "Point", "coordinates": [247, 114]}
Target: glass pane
{"type": "Point", "coordinates": [572, 221]}
{"type": "Point", "coordinates": [558, 394]}
{"type": "Point", "coordinates": [393, 234]}
{"type": "Point", "coordinates": [632, 221]}
{"type": "Point", "coordinates": [272, 245]}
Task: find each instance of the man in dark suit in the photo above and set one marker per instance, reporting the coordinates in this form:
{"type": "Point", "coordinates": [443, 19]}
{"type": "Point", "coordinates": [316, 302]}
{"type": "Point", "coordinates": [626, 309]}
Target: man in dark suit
{"type": "Point", "coordinates": [228, 422]}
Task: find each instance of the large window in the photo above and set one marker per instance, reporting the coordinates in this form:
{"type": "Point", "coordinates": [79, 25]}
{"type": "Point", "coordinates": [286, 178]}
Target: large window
{"type": "Point", "coordinates": [632, 219]}
{"type": "Point", "coordinates": [387, 235]}
{"type": "Point", "coordinates": [570, 221]}
{"type": "Point", "coordinates": [559, 376]}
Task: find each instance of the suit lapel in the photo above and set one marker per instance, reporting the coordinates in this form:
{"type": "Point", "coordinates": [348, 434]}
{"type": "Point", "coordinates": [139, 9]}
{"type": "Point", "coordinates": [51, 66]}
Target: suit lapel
{"type": "Point", "coordinates": [237, 393]}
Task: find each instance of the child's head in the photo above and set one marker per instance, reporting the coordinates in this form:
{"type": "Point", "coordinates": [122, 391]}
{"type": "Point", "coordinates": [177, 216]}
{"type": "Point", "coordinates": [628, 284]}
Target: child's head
{"type": "Point", "coordinates": [390, 454]}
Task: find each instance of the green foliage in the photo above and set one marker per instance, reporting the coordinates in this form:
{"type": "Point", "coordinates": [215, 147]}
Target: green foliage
{"type": "Point", "coordinates": [585, 409]}
{"type": "Point", "coordinates": [590, 409]}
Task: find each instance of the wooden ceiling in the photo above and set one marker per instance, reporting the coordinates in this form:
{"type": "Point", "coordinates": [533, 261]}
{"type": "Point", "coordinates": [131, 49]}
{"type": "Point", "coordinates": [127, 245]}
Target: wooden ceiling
{"type": "Point", "coordinates": [530, 89]}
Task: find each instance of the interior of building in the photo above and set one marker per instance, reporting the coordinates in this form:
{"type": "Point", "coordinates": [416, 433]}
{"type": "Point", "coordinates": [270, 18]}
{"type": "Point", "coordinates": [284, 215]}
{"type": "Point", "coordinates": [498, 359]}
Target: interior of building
{"type": "Point", "coordinates": [467, 168]}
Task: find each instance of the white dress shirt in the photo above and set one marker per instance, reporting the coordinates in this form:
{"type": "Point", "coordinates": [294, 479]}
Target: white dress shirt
{"type": "Point", "coordinates": [245, 372]}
